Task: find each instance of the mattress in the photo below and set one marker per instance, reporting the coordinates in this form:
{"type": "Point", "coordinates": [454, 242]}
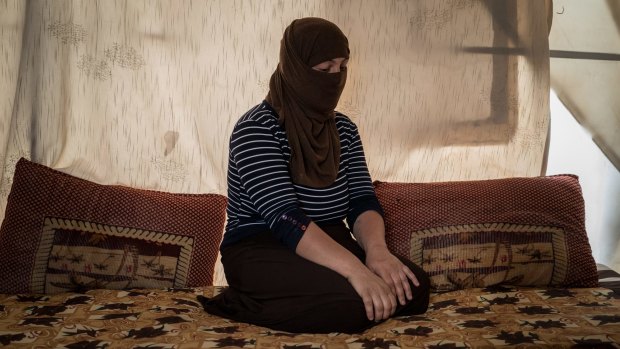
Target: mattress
{"type": "Point", "coordinates": [172, 318]}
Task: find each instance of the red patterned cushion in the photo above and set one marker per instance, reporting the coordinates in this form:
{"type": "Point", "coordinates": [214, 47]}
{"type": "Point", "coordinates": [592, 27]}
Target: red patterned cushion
{"type": "Point", "coordinates": [61, 233]}
{"type": "Point", "coordinates": [522, 231]}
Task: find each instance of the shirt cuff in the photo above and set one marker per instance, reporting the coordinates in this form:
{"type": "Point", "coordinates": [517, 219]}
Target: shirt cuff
{"type": "Point", "coordinates": [361, 205]}
{"type": "Point", "coordinates": [290, 227]}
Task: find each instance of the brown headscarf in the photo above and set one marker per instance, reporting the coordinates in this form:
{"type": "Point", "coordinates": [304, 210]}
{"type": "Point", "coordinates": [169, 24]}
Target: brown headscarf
{"type": "Point", "coordinates": [305, 99]}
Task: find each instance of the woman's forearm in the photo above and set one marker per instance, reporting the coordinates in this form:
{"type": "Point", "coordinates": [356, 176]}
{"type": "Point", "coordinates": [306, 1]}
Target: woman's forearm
{"type": "Point", "coordinates": [316, 246]}
{"type": "Point", "coordinates": [369, 231]}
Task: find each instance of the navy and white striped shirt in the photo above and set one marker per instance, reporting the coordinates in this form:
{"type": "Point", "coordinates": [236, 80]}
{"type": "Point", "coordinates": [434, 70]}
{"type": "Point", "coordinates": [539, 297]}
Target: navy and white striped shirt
{"type": "Point", "coordinates": [261, 195]}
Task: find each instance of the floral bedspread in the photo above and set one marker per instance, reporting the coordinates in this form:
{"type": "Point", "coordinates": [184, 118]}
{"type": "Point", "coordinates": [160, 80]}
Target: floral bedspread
{"type": "Point", "coordinates": [473, 318]}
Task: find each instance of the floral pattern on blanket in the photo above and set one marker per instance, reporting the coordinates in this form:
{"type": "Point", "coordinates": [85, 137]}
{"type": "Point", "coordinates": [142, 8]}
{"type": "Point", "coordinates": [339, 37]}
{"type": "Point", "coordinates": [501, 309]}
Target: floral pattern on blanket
{"type": "Point", "coordinates": [172, 318]}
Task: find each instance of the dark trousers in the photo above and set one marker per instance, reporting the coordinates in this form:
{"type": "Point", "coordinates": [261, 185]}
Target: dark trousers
{"type": "Point", "coordinates": [271, 286]}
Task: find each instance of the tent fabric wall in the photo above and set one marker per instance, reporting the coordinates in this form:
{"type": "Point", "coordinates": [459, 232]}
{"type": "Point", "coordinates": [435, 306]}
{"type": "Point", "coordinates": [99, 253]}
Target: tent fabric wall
{"type": "Point", "coordinates": [145, 93]}
{"type": "Point", "coordinates": [585, 69]}
{"type": "Point", "coordinates": [585, 74]}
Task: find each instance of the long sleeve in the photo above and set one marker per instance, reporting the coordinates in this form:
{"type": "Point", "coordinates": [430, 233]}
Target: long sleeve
{"type": "Point", "coordinates": [262, 196]}
{"type": "Point", "coordinates": [361, 191]}
{"type": "Point", "coordinates": [263, 174]}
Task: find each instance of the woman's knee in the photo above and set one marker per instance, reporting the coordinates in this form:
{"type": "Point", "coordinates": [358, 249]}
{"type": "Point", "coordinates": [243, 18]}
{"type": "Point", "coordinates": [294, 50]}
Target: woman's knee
{"type": "Point", "coordinates": [337, 316]}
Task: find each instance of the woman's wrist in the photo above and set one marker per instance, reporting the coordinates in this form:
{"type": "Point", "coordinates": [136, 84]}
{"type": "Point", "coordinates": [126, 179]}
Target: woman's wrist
{"type": "Point", "coordinates": [316, 246]}
{"type": "Point", "coordinates": [376, 249]}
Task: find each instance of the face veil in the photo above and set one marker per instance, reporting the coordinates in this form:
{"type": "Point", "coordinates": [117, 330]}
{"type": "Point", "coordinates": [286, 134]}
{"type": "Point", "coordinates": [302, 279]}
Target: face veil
{"type": "Point", "coordinates": [305, 98]}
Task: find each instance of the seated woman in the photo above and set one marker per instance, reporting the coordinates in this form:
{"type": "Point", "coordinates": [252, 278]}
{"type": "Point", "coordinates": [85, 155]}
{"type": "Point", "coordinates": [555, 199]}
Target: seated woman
{"type": "Point", "coordinates": [296, 171]}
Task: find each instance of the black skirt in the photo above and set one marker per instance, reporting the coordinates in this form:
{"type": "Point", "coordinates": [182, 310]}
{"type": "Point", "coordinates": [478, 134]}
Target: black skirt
{"type": "Point", "coordinates": [271, 286]}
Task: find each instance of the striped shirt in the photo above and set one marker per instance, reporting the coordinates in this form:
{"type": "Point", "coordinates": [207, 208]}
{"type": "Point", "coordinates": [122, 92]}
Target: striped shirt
{"type": "Point", "coordinates": [261, 195]}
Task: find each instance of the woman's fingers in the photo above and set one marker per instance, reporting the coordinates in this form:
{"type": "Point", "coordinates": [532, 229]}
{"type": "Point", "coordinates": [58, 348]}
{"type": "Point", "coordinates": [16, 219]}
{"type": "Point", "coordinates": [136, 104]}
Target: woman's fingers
{"type": "Point", "coordinates": [384, 301]}
{"type": "Point", "coordinates": [379, 301]}
{"type": "Point", "coordinates": [396, 275]}
{"type": "Point", "coordinates": [411, 275]}
{"type": "Point", "coordinates": [380, 308]}
{"type": "Point", "coordinates": [384, 304]}
{"type": "Point", "coordinates": [406, 286]}
{"type": "Point", "coordinates": [392, 304]}
{"type": "Point", "coordinates": [369, 306]}
{"type": "Point", "coordinates": [401, 286]}
{"type": "Point", "coordinates": [397, 279]}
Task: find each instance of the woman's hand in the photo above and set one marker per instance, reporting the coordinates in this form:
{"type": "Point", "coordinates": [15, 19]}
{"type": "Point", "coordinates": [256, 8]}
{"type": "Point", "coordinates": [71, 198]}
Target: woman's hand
{"type": "Point", "coordinates": [369, 230]}
{"type": "Point", "coordinates": [379, 300]}
{"type": "Point", "coordinates": [393, 272]}
{"type": "Point", "coordinates": [318, 247]}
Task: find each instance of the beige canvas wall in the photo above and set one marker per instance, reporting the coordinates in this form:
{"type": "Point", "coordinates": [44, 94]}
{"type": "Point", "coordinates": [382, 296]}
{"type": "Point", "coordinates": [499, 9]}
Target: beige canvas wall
{"type": "Point", "coordinates": [145, 93]}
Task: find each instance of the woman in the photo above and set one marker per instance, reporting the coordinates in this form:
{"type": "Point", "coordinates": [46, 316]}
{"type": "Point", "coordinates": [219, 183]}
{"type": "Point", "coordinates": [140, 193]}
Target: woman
{"type": "Point", "coordinates": [296, 172]}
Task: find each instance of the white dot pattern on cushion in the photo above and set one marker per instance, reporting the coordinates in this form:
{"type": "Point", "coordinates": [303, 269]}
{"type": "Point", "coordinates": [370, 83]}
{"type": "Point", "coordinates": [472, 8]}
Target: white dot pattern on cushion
{"type": "Point", "coordinates": [547, 201]}
{"type": "Point", "coordinates": [39, 192]}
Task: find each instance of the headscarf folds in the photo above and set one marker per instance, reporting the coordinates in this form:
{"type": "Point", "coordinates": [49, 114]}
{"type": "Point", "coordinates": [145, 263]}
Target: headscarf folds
{"type": "Point", "coordinates": [305, 98]}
